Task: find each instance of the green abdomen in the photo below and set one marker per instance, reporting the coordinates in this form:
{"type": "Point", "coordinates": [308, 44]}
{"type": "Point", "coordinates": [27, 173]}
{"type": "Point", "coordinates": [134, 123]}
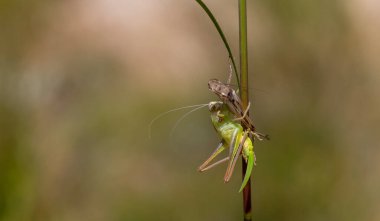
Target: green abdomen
{"type": "Point", "coordinates": [227, 130]}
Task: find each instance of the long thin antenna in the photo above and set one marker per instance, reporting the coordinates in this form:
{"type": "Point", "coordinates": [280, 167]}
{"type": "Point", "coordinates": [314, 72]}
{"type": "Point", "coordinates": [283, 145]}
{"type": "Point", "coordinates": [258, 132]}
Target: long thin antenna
{"type": "Point", "coordinates": [167, 112]}
{"type": "Point", "coordinates": [183, 117]}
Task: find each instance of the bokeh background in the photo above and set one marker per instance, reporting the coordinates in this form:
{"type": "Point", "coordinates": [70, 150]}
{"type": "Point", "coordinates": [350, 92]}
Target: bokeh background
{"type": "Point", "coordinates": [81, 80]}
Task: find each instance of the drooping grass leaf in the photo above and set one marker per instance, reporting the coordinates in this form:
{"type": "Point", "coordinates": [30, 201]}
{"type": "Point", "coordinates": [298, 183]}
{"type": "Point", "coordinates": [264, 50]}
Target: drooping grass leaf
{"type": "Point", "coordinates": [222, 36]}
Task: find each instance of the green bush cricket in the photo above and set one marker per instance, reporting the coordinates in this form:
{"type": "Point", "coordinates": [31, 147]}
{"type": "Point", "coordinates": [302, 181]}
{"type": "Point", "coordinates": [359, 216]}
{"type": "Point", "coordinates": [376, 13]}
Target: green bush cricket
{"type": "Point", "coordinates": [229, 96]}
{"type": "Point", "coordinates": [233, 137]}
{"type": "Point", "coordinates": [227, 117]}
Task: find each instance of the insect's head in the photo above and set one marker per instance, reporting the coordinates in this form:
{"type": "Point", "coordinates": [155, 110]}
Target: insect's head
{"type": "Point", "coordinates": [215, 106]}
{"type": "Point", "coordinates": [219, 88]}
{"type": "Point", "coordinates": [217, 111]}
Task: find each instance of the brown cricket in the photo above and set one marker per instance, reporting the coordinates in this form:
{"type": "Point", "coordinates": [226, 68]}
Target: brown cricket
{"type": "Point", "coordinates": [229, 96]}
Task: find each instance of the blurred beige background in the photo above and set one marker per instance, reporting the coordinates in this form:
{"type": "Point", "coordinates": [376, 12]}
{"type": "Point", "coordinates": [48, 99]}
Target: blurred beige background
{"type": "Point", "coordinates": [81, 80]}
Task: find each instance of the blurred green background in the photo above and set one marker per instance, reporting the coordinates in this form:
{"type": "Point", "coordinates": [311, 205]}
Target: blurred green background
{"type": "Point", "coordinates": [81, 80]}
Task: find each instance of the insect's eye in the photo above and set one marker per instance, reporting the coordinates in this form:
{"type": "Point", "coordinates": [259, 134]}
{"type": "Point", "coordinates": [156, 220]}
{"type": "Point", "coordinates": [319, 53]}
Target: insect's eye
{"type": "Point", "coordinates": [220, 116]}
{"type": "Point", "coordinates": [219, 119]}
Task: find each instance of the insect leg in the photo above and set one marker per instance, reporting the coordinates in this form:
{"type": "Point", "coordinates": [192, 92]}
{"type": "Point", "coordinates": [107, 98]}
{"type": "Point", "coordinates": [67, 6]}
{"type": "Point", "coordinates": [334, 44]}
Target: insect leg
{"type": "Point", "coordinates": [216, 163]}
{"type": "Point", "coordinates": [260, 136]}
{"type": "Point", "coordinates": [238, 145]}
{"type": "Point", "coordinates": [218, 150]}
{"type": "Point", "coordinates": [245, 113]}
{"type": "Point", "coordinates": [233, 141]}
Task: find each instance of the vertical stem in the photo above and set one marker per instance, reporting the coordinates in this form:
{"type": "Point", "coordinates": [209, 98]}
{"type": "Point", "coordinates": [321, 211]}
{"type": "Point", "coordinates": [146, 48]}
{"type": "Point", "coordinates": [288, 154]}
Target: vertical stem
{"type": "Point", "coordinates": [244, 96]}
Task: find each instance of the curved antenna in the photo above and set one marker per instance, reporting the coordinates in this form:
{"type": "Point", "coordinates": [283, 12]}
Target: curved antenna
{"type": "Point", "coordinates": [183, 117]}
{"type": "Point", "coordinates": [167, 112]}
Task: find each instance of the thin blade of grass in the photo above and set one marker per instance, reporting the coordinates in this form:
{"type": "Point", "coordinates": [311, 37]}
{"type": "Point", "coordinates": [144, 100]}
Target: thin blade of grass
{"type": "Point", "coordinates": [222, 36]}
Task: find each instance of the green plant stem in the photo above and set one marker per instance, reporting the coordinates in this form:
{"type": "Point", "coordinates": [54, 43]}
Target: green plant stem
{"type": "Point", "coordinates": [247, 206]}
{"type": "Point", "coordinates": [219, 29]}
